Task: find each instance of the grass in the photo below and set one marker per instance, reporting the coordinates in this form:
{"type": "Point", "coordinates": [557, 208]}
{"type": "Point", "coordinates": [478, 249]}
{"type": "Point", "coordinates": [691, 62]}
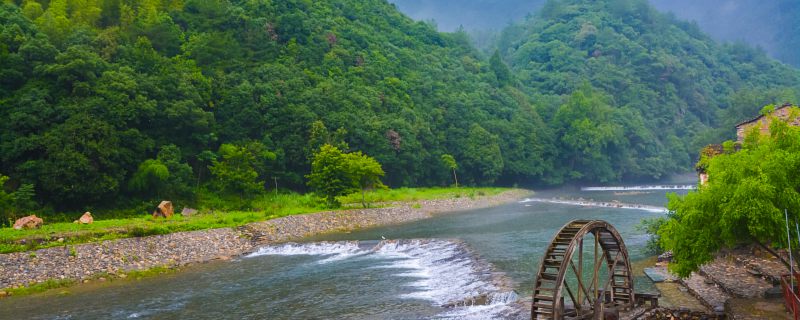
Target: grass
{"type": "Point", "coordinates": [40, 287]}
{"type": "Point", "coordinates": [265, 207]}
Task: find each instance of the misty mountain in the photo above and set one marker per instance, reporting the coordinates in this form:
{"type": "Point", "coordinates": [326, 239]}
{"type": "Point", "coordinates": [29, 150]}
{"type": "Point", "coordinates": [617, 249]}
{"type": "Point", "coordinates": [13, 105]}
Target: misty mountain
{"type": "Point", "coordinates": [767, 24]}
{"type": "Point", "coordinates": [636, 85]}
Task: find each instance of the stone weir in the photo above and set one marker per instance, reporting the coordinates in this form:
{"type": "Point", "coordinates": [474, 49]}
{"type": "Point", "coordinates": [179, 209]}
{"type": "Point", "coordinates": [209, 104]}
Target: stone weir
{"type": "Point", "coordinates": [448, 273]}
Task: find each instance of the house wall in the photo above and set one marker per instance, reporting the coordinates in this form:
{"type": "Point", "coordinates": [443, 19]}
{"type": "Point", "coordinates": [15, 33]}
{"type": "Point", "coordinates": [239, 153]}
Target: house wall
{"type": "Point", "coordinates": [763, 123]}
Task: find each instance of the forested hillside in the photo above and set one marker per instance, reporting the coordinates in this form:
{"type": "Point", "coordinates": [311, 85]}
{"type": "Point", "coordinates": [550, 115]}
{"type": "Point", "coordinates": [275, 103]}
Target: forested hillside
{"type": "Point", "coordinates": [771, 25]}
{"type": "Point", "coordinates": [113, 102]}
{"type": "Point", "coordinates": [631, 92]}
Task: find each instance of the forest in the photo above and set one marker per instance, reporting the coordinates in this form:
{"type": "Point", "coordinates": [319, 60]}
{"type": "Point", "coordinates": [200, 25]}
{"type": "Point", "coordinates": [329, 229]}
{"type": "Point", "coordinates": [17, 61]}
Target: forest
{"type": "Point", "coordinates": [115, 103]}
{"type": "Point", "coordinates": [768, 25]}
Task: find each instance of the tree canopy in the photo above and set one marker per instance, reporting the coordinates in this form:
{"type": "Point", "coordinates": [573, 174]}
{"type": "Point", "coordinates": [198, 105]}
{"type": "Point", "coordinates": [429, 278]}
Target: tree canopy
{"type": "Point", "coordinates": [334, 174]}
{"type": "Point", "coordinates": [743, 201]}
{"type": "Point", "coordinates": [100, 96]}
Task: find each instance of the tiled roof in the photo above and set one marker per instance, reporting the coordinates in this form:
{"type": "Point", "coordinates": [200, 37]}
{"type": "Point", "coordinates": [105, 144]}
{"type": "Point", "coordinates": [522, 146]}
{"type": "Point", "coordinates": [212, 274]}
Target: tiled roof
{"type": "Point", "coordinates": [761, 116]}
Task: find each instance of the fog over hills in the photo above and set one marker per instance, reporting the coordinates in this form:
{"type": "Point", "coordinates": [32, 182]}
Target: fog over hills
{"type": "Point", "coordinates": [471, 14]}
{"type": "Point", "coordinates": [765, 24]}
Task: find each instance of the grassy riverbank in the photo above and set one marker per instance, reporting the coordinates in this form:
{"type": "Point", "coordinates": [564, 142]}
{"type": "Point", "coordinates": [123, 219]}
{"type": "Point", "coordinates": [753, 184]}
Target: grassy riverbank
{"type": "Point", "coordinates": [266, 207]}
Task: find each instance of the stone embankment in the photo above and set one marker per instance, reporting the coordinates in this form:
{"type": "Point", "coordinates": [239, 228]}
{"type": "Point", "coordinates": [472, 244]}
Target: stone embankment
{"type": "Point", "coordinates": [112, 257]}
{"type": "Point", "coordinates": [742, 283]}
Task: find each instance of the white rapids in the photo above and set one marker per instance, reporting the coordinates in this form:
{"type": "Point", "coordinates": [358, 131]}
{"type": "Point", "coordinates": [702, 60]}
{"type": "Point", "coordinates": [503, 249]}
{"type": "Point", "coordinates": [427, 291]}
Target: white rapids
{"type": "Point", "coordinates": [642, 188]}
{"type": "Point", "coordinates": [444, 272]}
{"type": "Point", "coordinates": [600, 204]}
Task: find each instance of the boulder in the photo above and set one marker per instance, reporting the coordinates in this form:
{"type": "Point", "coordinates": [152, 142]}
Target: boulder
{"type": "Point", "coordinates": [86, 218]}
{"type": "Point", "coordinates": [164, 209]}
{"type": "Point", "coordinates": [188, 212]}
{"type": "Point", "coordinates": [29, 222]}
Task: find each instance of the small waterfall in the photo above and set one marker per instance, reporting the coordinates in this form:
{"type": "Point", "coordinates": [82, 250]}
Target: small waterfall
{"type": "Point", "coordinates": [445, 272]}
{"type": "Point", "coordinates": [588, 203]}
{"type": "Point", "coordinates": [641, 188]}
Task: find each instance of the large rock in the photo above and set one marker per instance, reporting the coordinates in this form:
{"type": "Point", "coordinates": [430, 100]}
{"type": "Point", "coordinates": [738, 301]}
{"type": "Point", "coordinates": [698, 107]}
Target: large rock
{"type": "Point", "coordinates": [86, 218]}
{"type": "Point", "coordinates": [29, 222]}
{"type": "Point", "coordinates": [164, 209]}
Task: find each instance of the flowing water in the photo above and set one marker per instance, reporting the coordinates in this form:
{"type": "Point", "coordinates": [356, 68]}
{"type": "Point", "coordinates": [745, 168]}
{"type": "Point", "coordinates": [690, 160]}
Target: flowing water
{"type": "Point", "coordinates": [465, 265]}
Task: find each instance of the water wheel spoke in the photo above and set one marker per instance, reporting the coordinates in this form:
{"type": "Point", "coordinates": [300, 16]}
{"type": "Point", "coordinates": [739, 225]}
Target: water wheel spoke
{"type": "Point", "coordinates": [596, 275]}
{"type": "Point", "coordinates": [571, 296]}
{"type": "Point", "coordinates": [580, 285]}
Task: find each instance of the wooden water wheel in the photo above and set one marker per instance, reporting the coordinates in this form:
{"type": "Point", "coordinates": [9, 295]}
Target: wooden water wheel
{"type": "Point", "coordinates": [575, 284]}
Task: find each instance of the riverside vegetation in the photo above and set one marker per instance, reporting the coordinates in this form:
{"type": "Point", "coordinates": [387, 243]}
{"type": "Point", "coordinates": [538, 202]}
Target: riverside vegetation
{"type": "Point", "coordinates": [264, 207]}
{"type": "Point", "coordinates": [112, 105]}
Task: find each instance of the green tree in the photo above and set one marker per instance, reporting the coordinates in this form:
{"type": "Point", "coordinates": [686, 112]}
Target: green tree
{"type": "Point", "coordinates": [179, 184]}
{"type": "Point", "coordinates": [588, 134]}
{"type": "Point", "coordinates": [365, 173]}
{"type": "Point", "coordinates": [236, 170]}
{"type": "Point", "coordinates": [482, 155]}
{"type": "Point", "coordinates": [500, 69]}
{"type": "Point", "coordinates": [330, 175]}
{"type": "Point", "coordinates": [450, 163]}
{"type": "Point", "coordinates": [151, 176]}
{"type": "Point", "coordinates": [742, 203]}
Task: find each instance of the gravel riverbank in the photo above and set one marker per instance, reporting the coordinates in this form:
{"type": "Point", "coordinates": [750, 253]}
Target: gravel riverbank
{"type": "Point", "coordinates": [112, 257]}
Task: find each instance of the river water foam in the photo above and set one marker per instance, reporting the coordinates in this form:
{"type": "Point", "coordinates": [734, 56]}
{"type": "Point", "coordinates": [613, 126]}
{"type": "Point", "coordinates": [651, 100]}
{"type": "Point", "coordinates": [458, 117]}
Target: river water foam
{"type": "Point", "coordinates": [589, 203]}
{"type": "Point", "coordinates": [642, 188]}
{"type": "Point", "coordinates": [445, 273]}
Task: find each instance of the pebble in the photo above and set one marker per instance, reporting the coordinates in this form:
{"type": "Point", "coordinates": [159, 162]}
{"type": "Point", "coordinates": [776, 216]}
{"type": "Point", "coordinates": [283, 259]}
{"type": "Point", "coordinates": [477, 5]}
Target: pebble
{"type": "Point", "coordinates": [107, 257]}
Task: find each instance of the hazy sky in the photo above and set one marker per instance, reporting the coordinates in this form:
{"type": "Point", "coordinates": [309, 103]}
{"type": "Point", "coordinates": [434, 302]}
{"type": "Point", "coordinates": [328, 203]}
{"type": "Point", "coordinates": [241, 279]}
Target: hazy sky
{"type": "Point", "coordinates": [751, 21]}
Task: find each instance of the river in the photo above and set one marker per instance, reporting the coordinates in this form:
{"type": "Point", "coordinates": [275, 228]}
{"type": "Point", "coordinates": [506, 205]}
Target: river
{"type": "Point", "coordinates": [455, 256]}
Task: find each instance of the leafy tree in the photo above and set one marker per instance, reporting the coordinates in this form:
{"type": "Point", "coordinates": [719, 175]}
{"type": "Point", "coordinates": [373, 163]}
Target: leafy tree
{"type": "Point", "coordinates": [365, 173]}
{"type": "Point", "coordinates": [179, 184]}
{"type": "Point", "coordinates": [330, 175]}
{"type": "Point", "coordinates": [588, 133]}
{"type": "Point", "coordinates": [450, 163]}
{"type": "Point", "coordinates": [482, 156]}
{"type": "Point", "coordinates": [236, 170]}
{"type": "Point", "coordinates": [152, 176]}
{"type": "Point", "coordinates": [743, 202]}
{"type": "Point", "coordinates": [320, 136]}
{"type": "Point", "coordinates": [500, 69]}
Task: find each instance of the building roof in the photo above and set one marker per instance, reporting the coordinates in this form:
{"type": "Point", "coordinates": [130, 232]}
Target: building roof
{"type": "Point", "coordinates": [785, 105]}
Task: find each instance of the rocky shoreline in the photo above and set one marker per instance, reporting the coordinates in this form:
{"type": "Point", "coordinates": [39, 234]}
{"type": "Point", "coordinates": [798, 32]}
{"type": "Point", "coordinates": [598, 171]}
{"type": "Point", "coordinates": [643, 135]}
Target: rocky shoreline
{"type": "Point", "coordinates": [116, 257]}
